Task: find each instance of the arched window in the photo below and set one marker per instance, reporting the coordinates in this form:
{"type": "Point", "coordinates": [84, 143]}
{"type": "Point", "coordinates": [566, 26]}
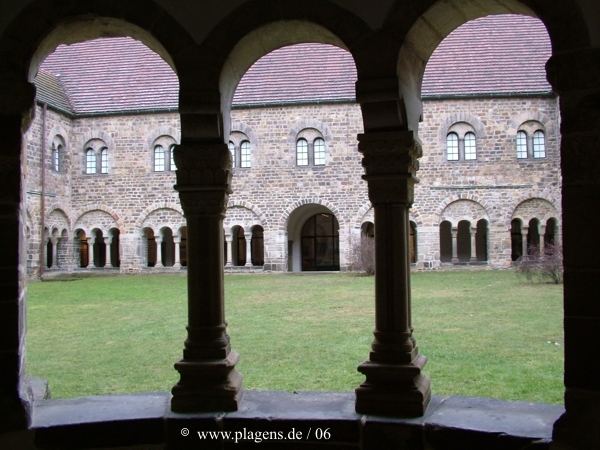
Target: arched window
{"type": "Point", "coordinates": [245, 154]}
{"type": "Point", "coordinates": [521, 144]}
{"type": "Point", "coordinates": [159, 159]}
{"type": "Point", "coordinates": [231, 146]}
{"type": "Point", "coordinates": [452, 147]}
{"type": "Point", "coordinates": [302, 152]}
{"type": "Point", "coordinates": [104, 160]}
{"type": "Point", "coordinates": [470, 148]}
{"type": "Point", "coordinates": [319, 151]}
{"type": "Point", "coordinates": [539, 145]}
{"type": "Point", "coordinates": [173, 166]}
{"type": "Point", "coordinates": [90, 161]}
{"type": "Point", "coordinates": [56, 156]}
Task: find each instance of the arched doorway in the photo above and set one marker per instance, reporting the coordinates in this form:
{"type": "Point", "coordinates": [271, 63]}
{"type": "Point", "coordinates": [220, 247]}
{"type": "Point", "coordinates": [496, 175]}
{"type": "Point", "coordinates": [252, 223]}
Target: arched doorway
{"type": "Point", "coordinates": [320, 243]}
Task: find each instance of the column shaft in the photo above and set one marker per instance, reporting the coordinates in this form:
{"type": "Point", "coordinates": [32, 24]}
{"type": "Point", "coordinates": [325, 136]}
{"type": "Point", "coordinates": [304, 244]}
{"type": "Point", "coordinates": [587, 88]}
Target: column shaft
{"type": "Point", "coordinates": [454, 245]}
{"type": "Point", "coordinates": [248, 252]}
{"type": "Point", "coordinates": [91, 257]}
{"type": "Point", "coordinates": [208, 379]}
{"type": "Point", "coordinates": [158, 252]}
{"type": "Point", "coordinates": [54, 252]}
{"type": "Point", "coordinates": [473, 244]}
{"type": "Point", "coordinates": [394, 383]}
{"type": "Point", "coordinates": [177, 262]}
{"type": "Point", "coordinates": [524, 236]}
{"type": "Point", "coordinates": [229, 250]}
{"type": "Point", "coordinates": [108, 260]}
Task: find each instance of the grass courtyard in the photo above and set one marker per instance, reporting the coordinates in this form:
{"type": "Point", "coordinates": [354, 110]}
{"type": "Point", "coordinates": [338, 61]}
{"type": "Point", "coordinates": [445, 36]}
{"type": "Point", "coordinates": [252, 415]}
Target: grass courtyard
{"type": "Point", "coordinates": [486, 333]}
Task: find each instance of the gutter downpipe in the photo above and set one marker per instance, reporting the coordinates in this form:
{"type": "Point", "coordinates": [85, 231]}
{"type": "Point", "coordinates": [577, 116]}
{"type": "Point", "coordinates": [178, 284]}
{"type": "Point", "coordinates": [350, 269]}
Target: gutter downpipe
{"type": "Point", "coordinates": [43, 191]}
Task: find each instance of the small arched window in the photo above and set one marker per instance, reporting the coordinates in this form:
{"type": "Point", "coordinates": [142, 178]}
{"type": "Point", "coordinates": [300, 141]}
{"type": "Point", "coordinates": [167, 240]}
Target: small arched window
{"type": "Point", "coordinates": [245, 154]}
{"type": "Point", "coordinates": [319, 152]}
{"type": "Point", "coordinates": [470, 147]}
{"type": "Point", "coordinates": [452, 147]}
{"type": "Point", "coordinates": [104, 160]}
{"type": "Point", "coordinates": [521, 144]}
{"type": "Point", "coordinates": [159, 159]}
{"type": "Point", "coordinates": [539, 145]}
{"type": "Point", "coordinates": [90, 161]}
{"type": "Point", "coordinates": [302, 152]}
{"type": "Point", "coordinates": [56, 156]}
{"type": "Point", "coordinates": [231, 146]}
{"type": "Point", "coordinates": [172, 158]}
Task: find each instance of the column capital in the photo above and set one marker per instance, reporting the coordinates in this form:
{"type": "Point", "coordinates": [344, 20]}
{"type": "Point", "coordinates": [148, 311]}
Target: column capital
{"type": "Point", "coordinates": [391, 161]}
{"type": "Point", "coordinates": [108, 240]}
{"type": "Point", "coordinates": [203, 177]}
{"type": "Point", "coordinates": [206, 164]}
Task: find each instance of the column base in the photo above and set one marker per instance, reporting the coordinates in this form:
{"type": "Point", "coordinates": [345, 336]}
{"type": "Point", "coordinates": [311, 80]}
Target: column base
{"type": "Point", "coordinates": [207, 386]}
{"type": "Point", "coordinates": [393, 389]}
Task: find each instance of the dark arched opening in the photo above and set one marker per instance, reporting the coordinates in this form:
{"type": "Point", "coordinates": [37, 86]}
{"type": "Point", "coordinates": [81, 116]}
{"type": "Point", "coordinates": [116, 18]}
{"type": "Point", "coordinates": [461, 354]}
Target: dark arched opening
{"type": "Point", "coordinates": [320, 243]}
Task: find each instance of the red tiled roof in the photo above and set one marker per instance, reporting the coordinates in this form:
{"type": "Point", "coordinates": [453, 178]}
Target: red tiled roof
{"type": "Point", "coordinates": [112, 75]}
{"type": "Point", "coordinates": [299, 73]}
{"type": "Point", "coordinates": [493, 55]}
{"type": "Point", "coordinates": [503, 54]}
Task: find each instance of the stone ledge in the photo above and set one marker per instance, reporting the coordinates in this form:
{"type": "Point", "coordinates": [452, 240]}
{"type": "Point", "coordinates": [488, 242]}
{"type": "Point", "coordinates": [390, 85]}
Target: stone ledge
{"type": "Point", "coordinates": [145, 419]}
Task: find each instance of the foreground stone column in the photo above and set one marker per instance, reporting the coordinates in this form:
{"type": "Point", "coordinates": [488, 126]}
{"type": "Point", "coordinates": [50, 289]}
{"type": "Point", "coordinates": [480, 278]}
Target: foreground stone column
{"type": "Point", "coordinates": [209, 381]}
{"type": "Point", "coordinates": [575, 76]}
{"type": "Point", "coordinates": [542, 235]}
{"type": "Point", "coordinates": [394, 382]}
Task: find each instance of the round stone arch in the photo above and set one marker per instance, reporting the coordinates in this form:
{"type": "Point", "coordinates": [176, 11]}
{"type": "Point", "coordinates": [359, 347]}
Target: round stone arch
{"type": "Point", "coordinates": [242, 127]}
{"type": "Point", "coordinates": [171, 218]}
{"type": "Point", "coordinates": [535, 208]}
{"type": "Point", "coordinates": [58, 130]}
{"type": "Point", "coordinates": [148, 210]}
{"type": "Point", "coordinates": [463, 209]}
{"type": "Point", "coordinates": [295, 223]}
{"type": "Point", "coordinates": [101, 218]}
{"type": "Point", "coordinates": [161, 131]}
{"type": "Point", "coordinates": [256, 211]}
{"type": "Point", "coordinates": [470, 119]}
{"type": "Point", "coordinates": [530, 116]}
{"type": "Point", "coordinates": [563, 20]}
{"type": "Point", "coordinates": [273, 28]}
{"type": "Point", "coordinates": [283, 221]}
{"type": "Point", "coordinates": [58, 218]}
{"type": "Point", "coordinates": [303, 124]}
{"type": "Point", "coordinates": [240, 216]}
{"type": "Point", "coordinates": [97, 133]}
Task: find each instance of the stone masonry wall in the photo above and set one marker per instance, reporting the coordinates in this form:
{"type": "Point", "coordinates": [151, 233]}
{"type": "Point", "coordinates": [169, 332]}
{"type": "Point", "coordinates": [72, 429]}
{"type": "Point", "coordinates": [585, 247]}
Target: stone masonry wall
{"type": "Point", "coordinates": [132, 195]}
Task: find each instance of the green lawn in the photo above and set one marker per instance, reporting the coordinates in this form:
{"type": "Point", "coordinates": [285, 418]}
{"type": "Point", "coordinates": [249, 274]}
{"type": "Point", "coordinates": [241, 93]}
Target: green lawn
{"type": "Point", "coordinates": [485, 333]}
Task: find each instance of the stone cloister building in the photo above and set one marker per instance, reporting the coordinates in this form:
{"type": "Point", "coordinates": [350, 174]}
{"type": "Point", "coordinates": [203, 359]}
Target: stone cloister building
{"type": "Point", "coordinates": [210, 46]}
{"type": "Point", "coordinates": [489, 177]}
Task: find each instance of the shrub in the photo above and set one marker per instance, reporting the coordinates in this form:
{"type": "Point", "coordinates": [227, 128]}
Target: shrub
{"type": "Point", "coordinates": [546, 267]}
{"type": "Point", "coordinates": [363, 256]}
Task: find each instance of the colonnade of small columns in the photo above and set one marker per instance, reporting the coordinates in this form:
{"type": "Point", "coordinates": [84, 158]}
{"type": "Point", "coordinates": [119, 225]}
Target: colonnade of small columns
{"type": "Point", "coordinates": [464, 236]}
{"type": "Point", "coordinates": [533, 238]}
